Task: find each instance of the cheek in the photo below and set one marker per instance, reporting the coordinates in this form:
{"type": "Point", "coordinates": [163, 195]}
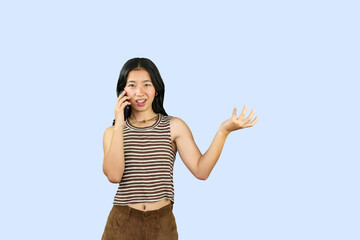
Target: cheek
{"type": "Point", "coordinates": [152, 91]}
{"type": "Point", "coordinates": [129, 92]}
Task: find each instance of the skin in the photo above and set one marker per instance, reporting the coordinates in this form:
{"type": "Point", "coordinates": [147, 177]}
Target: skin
{"type": "Point", "coordinates": [139, 86]}
{"type": "Point", "coordinates": [200, 165]}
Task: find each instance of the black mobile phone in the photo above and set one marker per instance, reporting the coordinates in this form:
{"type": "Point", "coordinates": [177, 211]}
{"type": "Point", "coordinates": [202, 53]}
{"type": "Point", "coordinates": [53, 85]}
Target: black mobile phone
{"type": "Point", "coordinates": [126, 109]}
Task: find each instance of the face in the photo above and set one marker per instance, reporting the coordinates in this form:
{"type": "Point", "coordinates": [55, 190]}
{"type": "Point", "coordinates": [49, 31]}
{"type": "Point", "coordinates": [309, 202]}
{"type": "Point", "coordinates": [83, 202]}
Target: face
{"type": "Point", "coordinates": [139, 86]}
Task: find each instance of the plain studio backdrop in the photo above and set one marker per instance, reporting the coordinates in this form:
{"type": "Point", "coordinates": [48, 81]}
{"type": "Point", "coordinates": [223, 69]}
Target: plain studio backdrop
{"type": "Point", "coordinates": [294, 175]}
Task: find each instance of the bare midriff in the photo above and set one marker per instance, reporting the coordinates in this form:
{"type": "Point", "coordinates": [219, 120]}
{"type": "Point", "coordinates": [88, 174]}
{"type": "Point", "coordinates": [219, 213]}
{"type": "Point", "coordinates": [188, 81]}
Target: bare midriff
{"type": "Point", "coordinates": [150, 206]}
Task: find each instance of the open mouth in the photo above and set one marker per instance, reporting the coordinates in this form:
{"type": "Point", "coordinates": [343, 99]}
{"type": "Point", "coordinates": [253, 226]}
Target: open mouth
{"type": "Point", "coordinates": [141, 103]}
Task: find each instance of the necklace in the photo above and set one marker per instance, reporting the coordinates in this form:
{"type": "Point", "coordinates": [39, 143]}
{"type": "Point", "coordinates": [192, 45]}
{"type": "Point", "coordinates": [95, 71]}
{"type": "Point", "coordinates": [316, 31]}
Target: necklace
{"type": "Point", "coordinates": [144, 121]}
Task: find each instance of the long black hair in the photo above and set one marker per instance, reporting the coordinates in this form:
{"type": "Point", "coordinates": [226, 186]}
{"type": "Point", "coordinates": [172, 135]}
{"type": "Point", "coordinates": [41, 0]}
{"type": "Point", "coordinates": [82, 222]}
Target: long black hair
{"type": "Point", "coordinates": [150, 67]}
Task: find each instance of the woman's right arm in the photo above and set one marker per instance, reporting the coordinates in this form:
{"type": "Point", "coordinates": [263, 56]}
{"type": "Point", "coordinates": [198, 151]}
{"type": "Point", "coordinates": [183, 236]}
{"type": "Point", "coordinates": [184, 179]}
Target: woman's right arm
{"type": "Point", "coordinates": [114, 159]}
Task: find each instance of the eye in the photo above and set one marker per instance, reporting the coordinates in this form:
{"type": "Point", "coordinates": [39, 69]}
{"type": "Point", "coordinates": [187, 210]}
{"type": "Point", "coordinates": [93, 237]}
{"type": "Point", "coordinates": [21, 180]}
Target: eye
{"type": "Point", "coordinates": [148, 84]}
{"type": "Point", "coordinates": [131, 85]}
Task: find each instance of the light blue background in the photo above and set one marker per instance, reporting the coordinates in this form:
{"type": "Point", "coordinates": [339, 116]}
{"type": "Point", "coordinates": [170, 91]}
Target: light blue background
{"type": "Point", "coordinates": [294, 175]}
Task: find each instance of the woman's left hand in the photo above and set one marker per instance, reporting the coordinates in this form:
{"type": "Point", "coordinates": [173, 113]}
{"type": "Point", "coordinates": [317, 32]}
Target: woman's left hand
{"type": "Point", "coordinates": [238, 123]}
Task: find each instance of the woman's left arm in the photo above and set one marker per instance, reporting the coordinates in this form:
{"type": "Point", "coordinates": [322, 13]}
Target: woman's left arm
{"type": "Point", "coordinates": [211, 156]}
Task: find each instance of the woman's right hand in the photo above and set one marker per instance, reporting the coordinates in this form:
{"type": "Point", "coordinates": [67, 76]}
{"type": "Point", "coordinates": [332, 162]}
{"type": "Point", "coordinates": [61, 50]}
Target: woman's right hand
{"type": "Point", "coordinates": [121, 103]}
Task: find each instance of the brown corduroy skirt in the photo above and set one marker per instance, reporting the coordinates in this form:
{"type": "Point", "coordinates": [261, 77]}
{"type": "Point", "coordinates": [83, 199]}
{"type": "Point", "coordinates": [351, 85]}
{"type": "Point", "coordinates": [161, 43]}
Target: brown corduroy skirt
{"type": "Point", "coordinates": [125, 223]}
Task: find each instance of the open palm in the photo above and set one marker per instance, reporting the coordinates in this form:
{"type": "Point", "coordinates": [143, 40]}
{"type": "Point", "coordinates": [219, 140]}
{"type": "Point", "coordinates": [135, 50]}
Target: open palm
{"type": "Point", "coordinates": [235, 123]}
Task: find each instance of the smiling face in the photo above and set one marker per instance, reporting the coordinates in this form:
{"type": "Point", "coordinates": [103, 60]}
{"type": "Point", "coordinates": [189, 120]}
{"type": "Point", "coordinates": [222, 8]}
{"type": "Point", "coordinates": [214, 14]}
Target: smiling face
{"type": "Point", "coordinates": [139, 86]}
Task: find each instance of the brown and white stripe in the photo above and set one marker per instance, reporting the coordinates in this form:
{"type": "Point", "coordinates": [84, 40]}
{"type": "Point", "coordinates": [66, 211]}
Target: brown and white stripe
{"type": "Point", "coordinates": [149, 162]}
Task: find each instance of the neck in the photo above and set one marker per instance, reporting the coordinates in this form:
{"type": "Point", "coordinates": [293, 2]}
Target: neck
{"type": "Point", "coordinates": [141, 116]}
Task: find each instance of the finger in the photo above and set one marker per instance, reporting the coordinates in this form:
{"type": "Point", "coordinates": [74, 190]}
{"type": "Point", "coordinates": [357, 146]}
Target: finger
{"type": "Point", "coordinates": [123, 105]}
{"type": "Point", "coordinates": [121, 95]}
{"type": "Point", "coordinates": [234, 113]}
{"type": "Point", "coordinates": [251, 115]}
{"type": "Point", "coordinates": [126, 103]}
{"type": "Point", "coordinates": [252, 123]}
{"type": "Point", "coordinates": [246, 121]}
{"type": "Point", "coordinates": [118, 99]}
{"type": "Point", "coordinates": [124, 98]}
{"type": "Point", "coordinates": [242, 115]}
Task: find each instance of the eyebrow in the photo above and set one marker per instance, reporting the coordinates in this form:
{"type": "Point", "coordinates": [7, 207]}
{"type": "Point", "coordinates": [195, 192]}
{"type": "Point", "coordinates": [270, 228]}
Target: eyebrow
{"type": "Point", "coordinates": [143, 81]}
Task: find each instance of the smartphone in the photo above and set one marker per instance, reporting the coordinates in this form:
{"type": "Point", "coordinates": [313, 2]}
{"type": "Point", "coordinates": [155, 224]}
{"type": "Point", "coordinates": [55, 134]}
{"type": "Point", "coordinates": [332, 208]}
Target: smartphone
{"type": "Point", "coordinates": [126, 109]}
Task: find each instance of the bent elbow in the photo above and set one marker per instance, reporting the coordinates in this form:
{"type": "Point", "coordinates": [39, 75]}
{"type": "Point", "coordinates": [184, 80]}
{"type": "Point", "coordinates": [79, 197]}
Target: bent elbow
{"type": "Point", "coordinates": [201, 178]}
{"type": "Point", "coordinates": [114, 180]}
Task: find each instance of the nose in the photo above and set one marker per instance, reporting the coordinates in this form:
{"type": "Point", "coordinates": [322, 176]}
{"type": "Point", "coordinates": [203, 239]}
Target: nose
{"type": "Point", "coordinates": [140, 91]}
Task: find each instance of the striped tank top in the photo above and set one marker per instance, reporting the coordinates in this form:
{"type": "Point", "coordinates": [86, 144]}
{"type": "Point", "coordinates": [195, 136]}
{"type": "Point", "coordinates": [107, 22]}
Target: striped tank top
{"type": "Point", "coordinates": [149, 162]}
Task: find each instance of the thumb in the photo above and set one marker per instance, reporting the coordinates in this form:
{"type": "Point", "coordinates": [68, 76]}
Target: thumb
{"type": "Point", "coordinates": [234, 113]}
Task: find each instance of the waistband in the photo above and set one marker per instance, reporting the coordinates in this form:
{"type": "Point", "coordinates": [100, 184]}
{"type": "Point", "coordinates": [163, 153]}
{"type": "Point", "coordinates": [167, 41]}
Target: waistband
{"type": "Point", "coordinates": [135, 212]}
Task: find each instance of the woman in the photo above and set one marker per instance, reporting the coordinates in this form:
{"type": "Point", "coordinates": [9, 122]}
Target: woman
{"type": "Point", "coordinates": [140, 150]}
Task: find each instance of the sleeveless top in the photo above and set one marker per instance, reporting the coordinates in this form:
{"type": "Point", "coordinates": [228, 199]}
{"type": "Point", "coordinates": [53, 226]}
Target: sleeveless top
{"type": "Point", "coordinates": [149, 162]}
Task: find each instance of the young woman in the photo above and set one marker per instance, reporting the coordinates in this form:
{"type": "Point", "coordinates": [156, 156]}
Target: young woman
{"type": "Point", "coordinates": [140, 150]}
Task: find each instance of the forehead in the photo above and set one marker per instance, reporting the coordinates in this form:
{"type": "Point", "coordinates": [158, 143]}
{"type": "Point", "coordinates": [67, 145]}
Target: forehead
{"type": "Point", "coordinates": [138, 76]}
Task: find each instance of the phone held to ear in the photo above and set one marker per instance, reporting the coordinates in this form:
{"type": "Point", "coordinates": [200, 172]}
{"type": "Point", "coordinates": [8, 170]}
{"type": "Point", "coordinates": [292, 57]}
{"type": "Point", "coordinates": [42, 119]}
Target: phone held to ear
{"type": "Point", "coordinates": [126, 109]}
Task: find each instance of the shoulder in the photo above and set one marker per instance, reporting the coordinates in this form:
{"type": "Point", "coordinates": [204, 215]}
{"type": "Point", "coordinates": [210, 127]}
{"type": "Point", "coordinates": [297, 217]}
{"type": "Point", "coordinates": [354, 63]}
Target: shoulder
{"type": "Point", "coordinates": [178, 126]}
{"type": "Point", "coordinates": [108, 132]}
{"type": "Point", "coordinates": [109, 129]}
{"type": "Point", "coordinates": [176, 120]}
